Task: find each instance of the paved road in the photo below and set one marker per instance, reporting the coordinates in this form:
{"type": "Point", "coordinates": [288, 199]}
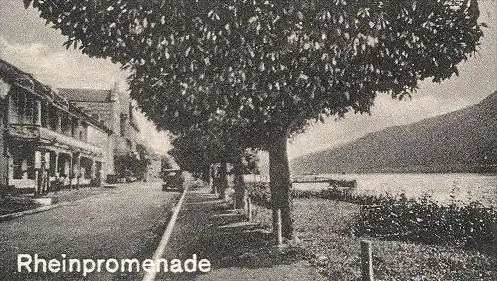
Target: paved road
{"type": "Point", "coordinates": [124, 223]}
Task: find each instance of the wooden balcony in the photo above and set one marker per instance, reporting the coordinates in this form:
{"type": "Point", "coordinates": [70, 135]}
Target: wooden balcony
{"type": "Point", "coordinates": [46, 136]}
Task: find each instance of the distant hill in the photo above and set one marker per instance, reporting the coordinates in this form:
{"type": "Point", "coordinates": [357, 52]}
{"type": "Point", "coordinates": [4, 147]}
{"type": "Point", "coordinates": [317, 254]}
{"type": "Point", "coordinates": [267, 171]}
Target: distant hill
{"type": "Point", "coordinates": [461, 141]}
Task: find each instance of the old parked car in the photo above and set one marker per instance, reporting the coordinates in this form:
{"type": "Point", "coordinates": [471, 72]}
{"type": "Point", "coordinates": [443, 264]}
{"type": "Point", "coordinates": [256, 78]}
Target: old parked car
{"type": "Point", "coordinates": [173, 179]}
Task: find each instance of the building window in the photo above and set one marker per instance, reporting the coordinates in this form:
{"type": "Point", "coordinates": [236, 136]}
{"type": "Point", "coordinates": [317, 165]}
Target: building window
{"type": "Point", "coordinates": [86, 167]}
{"type": "Point", "coordinates": [83, 131]}
{"type": "Point", "coordinates": [21, 103]}
{"type": "Point", "coordinates": [74, 127]}
{"type": "Point", "coordinates": [51, 169]}
{"type": "Point", "coordinates": [65, 120]}
{"type": "Point", "coordinates": [17, 169]}
{"type": "Point", "coordinates": [31, 166]}
{"type": "Point", "coordinates": [29, 110]}
{"type": "Point", "coordinates": [14, 111]}
{"type": "Point", "coordinates": [45, 114]}
{"type": "Point", "coordinates": [53, 118]}
{"type": "Point", "coordinates": [62, 165]}
{"type": "Point", "coordinates": [22, 111]}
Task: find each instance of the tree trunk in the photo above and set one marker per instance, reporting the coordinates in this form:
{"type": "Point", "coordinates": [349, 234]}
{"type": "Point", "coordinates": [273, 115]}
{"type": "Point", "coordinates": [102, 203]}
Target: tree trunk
{"type": "Point", "coordinates": [223, 180]}
{"type": "Point", "coordinates": [239, 183]}
{"type": "Point", "coordinates": [213, 180]}
{"type": "Point", "coordinates": [280, 184]}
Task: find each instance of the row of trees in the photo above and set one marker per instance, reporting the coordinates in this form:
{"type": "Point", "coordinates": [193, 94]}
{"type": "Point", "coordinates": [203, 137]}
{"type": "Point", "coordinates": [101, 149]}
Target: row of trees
{"type": "Point", "coordinates": [262, 70]}
{"type": "Point", "coordinates": [206, 150]}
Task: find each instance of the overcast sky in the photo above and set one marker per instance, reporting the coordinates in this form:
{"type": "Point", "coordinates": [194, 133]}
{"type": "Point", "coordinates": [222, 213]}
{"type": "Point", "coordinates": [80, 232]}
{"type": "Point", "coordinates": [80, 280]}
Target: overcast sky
{"type": "Point", "coordinates": [26, 42]}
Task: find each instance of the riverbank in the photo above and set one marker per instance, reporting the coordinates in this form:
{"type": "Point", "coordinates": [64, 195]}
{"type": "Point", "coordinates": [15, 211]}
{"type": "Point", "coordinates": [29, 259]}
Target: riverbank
{"type": "Point", "coordinates": [324, 228]}
{"type": "Point", "coordinates": [444, 188]}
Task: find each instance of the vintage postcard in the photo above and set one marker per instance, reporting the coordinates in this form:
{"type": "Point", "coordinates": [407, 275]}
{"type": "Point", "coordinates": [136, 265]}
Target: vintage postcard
{"type": "Point", "coordinates": [248, 140]}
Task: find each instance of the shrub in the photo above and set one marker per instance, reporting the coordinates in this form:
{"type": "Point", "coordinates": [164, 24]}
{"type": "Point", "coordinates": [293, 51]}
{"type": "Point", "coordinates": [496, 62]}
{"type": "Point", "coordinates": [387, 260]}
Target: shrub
{"type": "Point", "coordinates": [259, 193]}
{"type": "Point", "coordinates": [471, 225]}
{"type": "Point", "coordinates": [423, 220]}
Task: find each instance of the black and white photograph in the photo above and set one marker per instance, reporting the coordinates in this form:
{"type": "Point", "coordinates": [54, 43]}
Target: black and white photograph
{"type": "Point", "coordinates": [248, 140]}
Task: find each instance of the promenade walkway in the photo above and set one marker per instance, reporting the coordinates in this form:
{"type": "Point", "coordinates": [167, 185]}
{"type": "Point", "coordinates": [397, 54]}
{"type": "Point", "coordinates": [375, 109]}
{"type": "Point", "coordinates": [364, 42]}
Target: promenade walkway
{"type": "Point", "coordinates": [238, 250]}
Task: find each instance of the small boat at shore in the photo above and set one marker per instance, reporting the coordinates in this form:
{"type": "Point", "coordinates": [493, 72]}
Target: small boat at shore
{"type": "Point", "coordinates": [333, 183]}
{"type": "Point", "coordinates": [342, 183]}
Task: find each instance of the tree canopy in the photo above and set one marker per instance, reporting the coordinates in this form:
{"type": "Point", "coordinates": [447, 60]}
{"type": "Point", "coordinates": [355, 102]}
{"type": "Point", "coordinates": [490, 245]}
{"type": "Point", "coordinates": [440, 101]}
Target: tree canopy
{"type": "Point", "coordinates": [271, 66]}
{"type": "Point", "coordinates": [275, 62]}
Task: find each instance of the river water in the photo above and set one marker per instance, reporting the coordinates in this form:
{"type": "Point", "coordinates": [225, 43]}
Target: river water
{"type": "Point", "coordinates": [444, 188]}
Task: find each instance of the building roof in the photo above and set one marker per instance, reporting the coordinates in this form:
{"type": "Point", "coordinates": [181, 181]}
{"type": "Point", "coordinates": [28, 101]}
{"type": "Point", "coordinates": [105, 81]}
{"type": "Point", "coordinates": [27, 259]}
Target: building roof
{"type": "Point", "coordinates": [87, 95]}
{"type": "Point", "coordinates": [96, 100]}
{"type": "Point", "coordinates": [14, 75]}
{"type": "Point", "coordinates": [11, 73]}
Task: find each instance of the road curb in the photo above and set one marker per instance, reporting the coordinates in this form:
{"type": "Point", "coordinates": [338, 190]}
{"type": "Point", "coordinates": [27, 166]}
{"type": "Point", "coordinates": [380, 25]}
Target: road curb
{"type": "Point", "coordinates": [12, 216]}
{"type": "Point", "coordinates": [150, 275]}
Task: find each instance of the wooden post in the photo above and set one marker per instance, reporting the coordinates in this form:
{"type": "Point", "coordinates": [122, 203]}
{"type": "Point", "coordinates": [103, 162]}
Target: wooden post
{"type": "Point", "coordinates": [93, 173]}
{"type": "Point", "coordinates": [366, 261]}
{"type": "Point", "coordinates": [278, 228]}
{"type": "Point", "coordinates": [37, 112]}
{"type": "Point", "coordinates": [56, 165]}
{"type": "Point", "coordinates": [58, 185]}
{"type": "Point", "coordinates": [38, 175]}
{"type": "Point", "coordinates": [70, 173]}
{"type": "Point", "coordinates": [37, 186]}
{"type": "Point", "coordinates": [249, 209]}
{"type": "Point", "coordinates": [58, 125]}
